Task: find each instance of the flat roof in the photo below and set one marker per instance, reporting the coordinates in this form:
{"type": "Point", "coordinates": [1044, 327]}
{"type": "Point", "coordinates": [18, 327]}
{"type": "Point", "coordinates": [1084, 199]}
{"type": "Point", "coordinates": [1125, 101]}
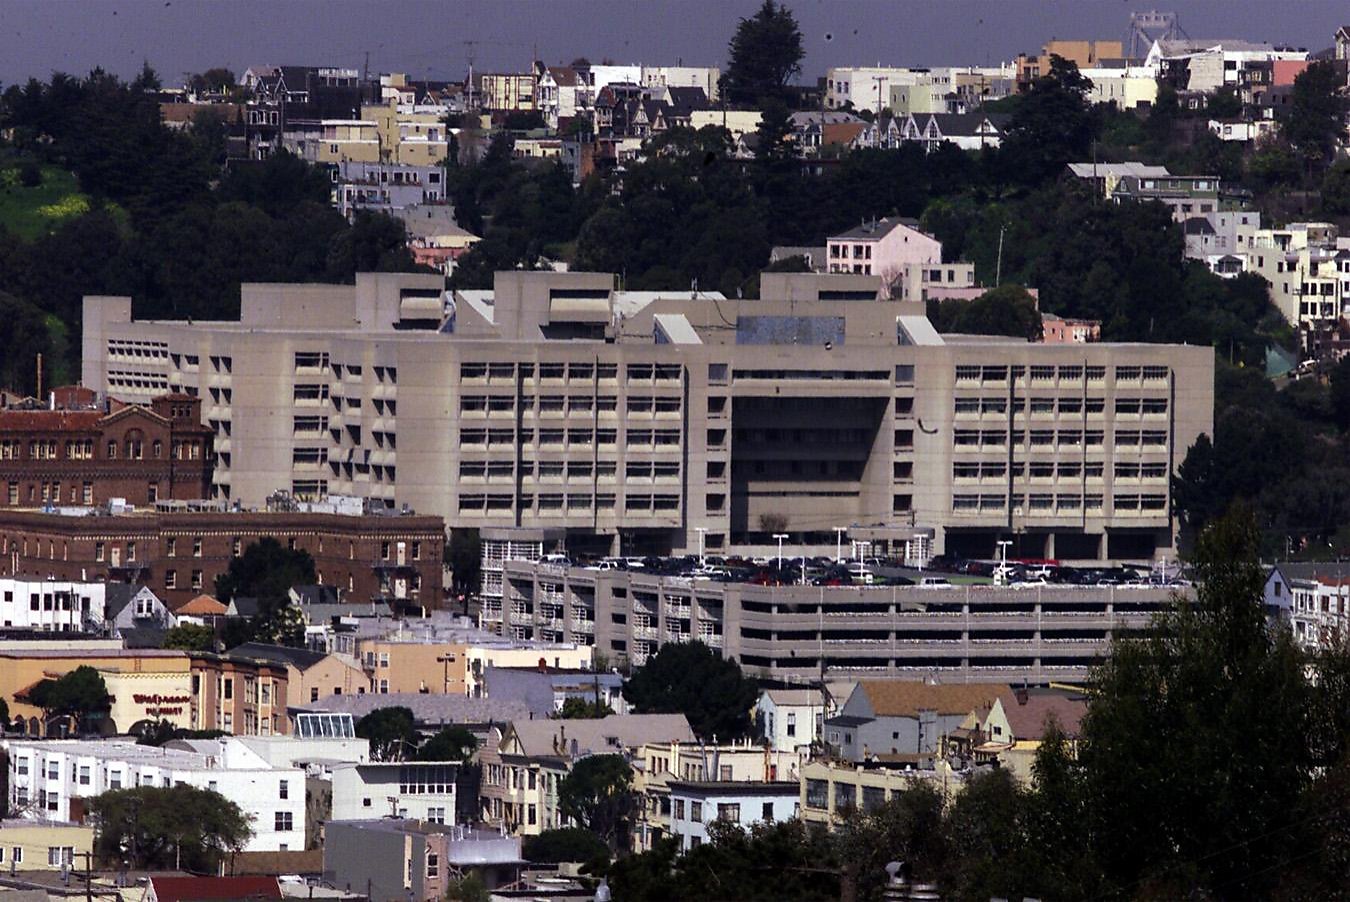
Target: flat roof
{"type": "Point", "coordinates": [745, 787]}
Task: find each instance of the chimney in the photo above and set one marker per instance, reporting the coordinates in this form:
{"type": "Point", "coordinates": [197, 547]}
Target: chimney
{"type": "Point", "coordinates": [543, 665]}
{"type": "Point", "coordinates": [1021, 694]}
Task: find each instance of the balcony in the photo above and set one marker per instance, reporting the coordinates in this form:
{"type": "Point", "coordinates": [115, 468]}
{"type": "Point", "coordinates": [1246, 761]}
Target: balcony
{"type": "Point", "coordinates": [645, 632]}
{"type": "Point", "coordinates": [580, 625]}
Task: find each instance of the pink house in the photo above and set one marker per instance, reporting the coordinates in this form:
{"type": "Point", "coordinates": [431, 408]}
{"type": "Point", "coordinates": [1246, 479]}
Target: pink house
{"type": "Point", "coordinates": [881, 247]}
{"type": "Point", "coordinates": [1057, 330]}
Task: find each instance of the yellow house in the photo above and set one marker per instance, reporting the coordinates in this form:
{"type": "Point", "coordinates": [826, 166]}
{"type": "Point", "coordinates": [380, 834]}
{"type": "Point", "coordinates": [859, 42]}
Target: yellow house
{"type": "Point", "coordinates": [29, 845]}
{"type": "Point", "coordinates": [1016, 723]}
{"type": "Point", "coordinates": [357, 140]}
{"type": "Point", "coordinates": [831, 789]}
{"type": "Point", "coordinates": [310, 675]}
{"type": "Point", "coordinates": [406, 136]}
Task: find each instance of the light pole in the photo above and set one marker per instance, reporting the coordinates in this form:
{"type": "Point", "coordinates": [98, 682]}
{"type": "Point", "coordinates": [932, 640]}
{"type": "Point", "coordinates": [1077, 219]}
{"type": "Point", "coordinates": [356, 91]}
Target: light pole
{"type": "Point", "coordinates": [444, 661]}
{"type": "Point", "coordinates": [919, 539]}
{"type": "Point", "coordinates": [702, 531]}
{"type": "Point", "coordinates": [839, 542]}
{"type": "Point", "coordinates": [1001, 575]}
{"type": "Point", "coordinates": [780, 536]}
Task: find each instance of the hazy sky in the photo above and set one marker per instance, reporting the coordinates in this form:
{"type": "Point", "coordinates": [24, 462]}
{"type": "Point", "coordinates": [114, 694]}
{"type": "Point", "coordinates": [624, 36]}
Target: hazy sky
{"type": "Point", "coordinates": [426, 39]}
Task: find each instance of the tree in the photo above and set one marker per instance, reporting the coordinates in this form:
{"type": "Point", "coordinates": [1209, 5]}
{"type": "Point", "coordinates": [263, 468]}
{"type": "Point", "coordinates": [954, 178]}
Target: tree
{"type": "Point", "coordinates": [575, 708]}
{"type": "Point", "coordinates": [454, 743]}
{"type": "Point", "coordinates": [267, 571]}
{"type": "Point", "coordinates": [766, 52]}
{"type": "Point", "coordinates": [470, 888]}
{"type": "Point", "coordinates": [80, 694]}
{"type": "Point", "coordinates": [180, 827]}
{"type": "Point", "coordinates": [1006, 310]}
{"type": "Point", "coordinates": [1053, 125]}
{"type": "Point", "coordinates": [1195, 747]}
{"type": "Point", "coordinates": [597, 794]}
{"type": "Point", "coordinates": [391, 731]}
{"type": "Point", "coordinates": [564, 844]}
{"type": "Point", "coordinates": [1340, 393]}
{"type": "Point", "coordinates": [463, 554]}
{"type": "Point", "coordinates": [1314, 121]}
{"type": "Point", "coordinates": [1336, 189]}
{"type": "Point", "coordinates": [692, 679]}
{"type": "Point", "coordinates": [190, 637]}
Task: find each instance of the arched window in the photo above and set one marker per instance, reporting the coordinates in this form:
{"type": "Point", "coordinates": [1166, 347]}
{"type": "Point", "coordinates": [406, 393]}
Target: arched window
{"type": "Point", "coordinates": [112, 450]}
{"type": "Point", "coordinates": [158, 449]}
{"type": "Point", "coordinates": [135, 443]}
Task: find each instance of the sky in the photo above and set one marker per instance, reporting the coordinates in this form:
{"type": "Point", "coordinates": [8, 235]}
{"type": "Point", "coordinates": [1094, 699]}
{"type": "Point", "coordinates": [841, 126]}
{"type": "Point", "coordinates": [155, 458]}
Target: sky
{"type": "Point", "coordinates": [428, 39]}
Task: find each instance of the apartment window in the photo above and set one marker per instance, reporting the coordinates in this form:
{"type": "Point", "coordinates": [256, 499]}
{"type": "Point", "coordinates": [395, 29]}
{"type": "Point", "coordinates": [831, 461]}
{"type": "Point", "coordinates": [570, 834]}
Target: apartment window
{"type": "Point", "coordinates": [228, 692]}
{"type": "Point", "coordinates": [283, 821]}
{"type": "Point", "coordinates": [729, 811]}
{"type": "Point", "coordinates": [196, 547]}
{"type": "Point", "coordinates": [284, 789]}
{"type": "Point", "coordinates": [696, 812]}
{"type": "Point", "coordinates": [433, 865]}
{"type": "Point", "coordinates": [171, 579]}
{"type": "Point", "coordinates": [57, 856]}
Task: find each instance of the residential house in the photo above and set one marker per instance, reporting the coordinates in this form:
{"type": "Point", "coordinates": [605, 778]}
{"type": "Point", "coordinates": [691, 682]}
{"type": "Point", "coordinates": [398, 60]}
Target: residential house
{"type": "Point", "coordinates": [737, 122]}
{"type": "Point", "coordinates": [508, 92]}
{"type": "Point", "coordinates": [552, 687]}
{"type": "Point", "coordinates": [559, 94]}
{"type": "Point", "coordinates": [520, 775]}
{"type": "Point", "coordinates": [50, 606]}
{"type": "Point", "coordinates": [901, 719]}
{"type": "Point", "coordinates": [237, 694]}
{"type": "Point", "coordinates": [204, 610]}
{"type": "Point", "coordinates": [386, 187]}
{"type": "Point", "coordinates": [415, 861]}
{"type": "Point", "coordinates": [793, 719]}
{"type": "Point", "coordinates": [882, 247]}
{"type": "Point", "coordinates": [832, 790]}
{"type": "Point", "coordinates": [1057, 329]}
{"type": "Point", "coordinates": [1015, 725]}
{"type": "Point", "coordinates": [43, 845]}
{"type": "Point", "coordinates": [53, 778]}
{"type": "Point", "coordinates": [1220, 232]}
{"type": "Point", "coordinates": [1205, 66]}
{"type": "Point", "coordinates": [1308, 273]}
{"type": "Point", "coordinates": [1082, 53]}
{"type": "Point", "coordinates": [659, 765]}
{"type": "Point", "coordinates": [696, 804]}
{"type": "Point", "coordinates": [422, 790]}
{"type": "Point", "coordinates": [310, 675]}
{"type": "Point", "coordinates": [968, 131]}
{"type": "Point", "coordinates": [136, 615]}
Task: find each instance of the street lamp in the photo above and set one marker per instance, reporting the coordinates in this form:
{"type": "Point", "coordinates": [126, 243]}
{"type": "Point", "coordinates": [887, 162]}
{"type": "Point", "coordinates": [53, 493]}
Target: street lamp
{"type": "Point", "coordinates": [839, 542]}
{"type": "Point", "coordinates": [702, 531]}
{"type": "Point", "coordinates": [780, 536]}
{"type": "Point", "coordinates": [919, 540]}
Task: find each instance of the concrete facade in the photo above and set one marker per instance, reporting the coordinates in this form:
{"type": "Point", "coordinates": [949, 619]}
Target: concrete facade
{"type": "Point", "coordinates": [976, 633]}
{"type": "Point", "coordinates": [695, 805]}
{"type": "Point", "coordinates": [636, 419]}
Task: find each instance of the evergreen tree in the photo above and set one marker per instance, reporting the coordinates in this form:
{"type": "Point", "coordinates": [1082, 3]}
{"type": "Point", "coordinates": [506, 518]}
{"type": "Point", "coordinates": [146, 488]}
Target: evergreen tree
{"type": "Point", "coordinates": [766, 52]}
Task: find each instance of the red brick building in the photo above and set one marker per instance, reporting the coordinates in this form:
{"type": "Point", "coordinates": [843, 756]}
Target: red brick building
{"type": "Point", "coordinates": [178, 554]}
{"type": "Point", "coordinates": [82, 452]}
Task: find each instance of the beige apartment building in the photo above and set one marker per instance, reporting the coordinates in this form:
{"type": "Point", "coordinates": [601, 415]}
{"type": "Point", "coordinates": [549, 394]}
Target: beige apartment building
{"type": "Point", "coordinates": [638, 421]}
{"type": "Point", "coordinates": [456, 668]}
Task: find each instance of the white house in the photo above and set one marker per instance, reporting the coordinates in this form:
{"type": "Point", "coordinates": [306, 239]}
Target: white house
{"type": "Point", "coordinates": [694, 805]}
{"type": "Point", "coordinates": [422, 790]}
{"type": "Point", "coordinates": [51, 605]}
{"type": "Point", "coordinates": [135, 607]}
{"type": "Point", "coordinates": [881, 247]}
{"type": "Point", "coordinates": [792, 719]}
{"type": "Point", "coordinates": [45, 775]}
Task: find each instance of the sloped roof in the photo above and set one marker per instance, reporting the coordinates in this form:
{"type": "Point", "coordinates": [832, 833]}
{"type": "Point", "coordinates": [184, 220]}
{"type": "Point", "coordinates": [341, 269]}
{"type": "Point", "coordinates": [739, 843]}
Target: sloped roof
{"type": "Point", "coordinates": [544, 738]}
{"type": "Point", "coordinates": [301, 658]}
{"type": "Point", "coordinates": [794, 696]}
{"type": "Point", "coordinates": [1028, 721]}
{"type": "Point", "coordinates": [188, 889]}
{"type": "Point", "coordinates": [841, 132]}
{"type": "Point", "coordinates": [202, 606]}
{"type": "Point", "coordinates": [63, 420]}
{"type": "Point", "coordinates": [904, 698]}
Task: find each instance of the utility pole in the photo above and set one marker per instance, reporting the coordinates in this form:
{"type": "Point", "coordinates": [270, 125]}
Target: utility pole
{"type": "Point", "coordinates": [998, 269]}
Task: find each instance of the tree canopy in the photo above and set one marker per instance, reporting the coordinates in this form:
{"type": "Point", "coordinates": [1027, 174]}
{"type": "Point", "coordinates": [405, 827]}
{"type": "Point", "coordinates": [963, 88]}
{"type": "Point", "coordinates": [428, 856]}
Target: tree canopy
{"type": "Point", "coordinates": [267, 571]}
{"type": "Point", "coordinates": [455, 743]}
{"type": "Point", "coordinates": [391, 731]}
{"type": "Point", "coordinates": [765, 53]}
{"type": "Point", "coordinates": [564, 844]}
{"type": "Point", "coordinates": [598, 794]}
{"type": "Point", "coordinates": [168, 827]}
{"type": "Point", "coordinates": [1006, 310]}
{"type": "Point", "coordinates": [190, 637]}
{"type": "Point", "coordinates": [80, 694]}
{"type": "Point", "coordinates": [692, 679]}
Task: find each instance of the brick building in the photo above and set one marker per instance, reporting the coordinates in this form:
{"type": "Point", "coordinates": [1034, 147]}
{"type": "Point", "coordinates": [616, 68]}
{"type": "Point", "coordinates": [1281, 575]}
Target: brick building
{"type": "Point", "coordinates": [79, 450]}
{"type": "Point", "coordinates": [179, 553]}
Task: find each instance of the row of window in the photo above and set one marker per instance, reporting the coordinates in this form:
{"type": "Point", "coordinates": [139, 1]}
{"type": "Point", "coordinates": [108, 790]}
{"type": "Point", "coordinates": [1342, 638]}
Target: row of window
{"type": "Point", "coordinates": [1057, 503]}
{"type": "Point", "coordinates": [1050, 406]}
{"type": "Point", "coordinates": [1048, 373]}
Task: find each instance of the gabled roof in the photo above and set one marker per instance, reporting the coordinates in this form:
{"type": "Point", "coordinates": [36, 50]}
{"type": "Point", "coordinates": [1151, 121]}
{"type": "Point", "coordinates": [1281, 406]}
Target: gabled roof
{"type": "Point", "coordinates": [551, 738]}
{"type": "Point", "coordinates": [841, 132]}
{"type": "Point", "coordinates": [1028, 721]}
{"type": "Point", "coordinates": [903, 698]}
{"type": "Point", "coordinates": [190, 889]}
{"type": "Point", "coordinates": [876, 229]}
{"type": "Point", "coordinates": [202, 606]}
{"type": "Point", "coordinates": [564, 76]}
